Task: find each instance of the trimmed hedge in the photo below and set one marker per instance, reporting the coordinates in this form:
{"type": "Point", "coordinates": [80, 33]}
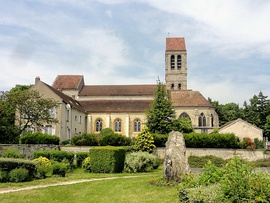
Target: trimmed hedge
{"type": "Point", "coordinates": [214, 140]}
{"type": "Point", "coordinates": [55, 155]}
{"type": "Point", "coordinates": [160, 139]}
{"type": "Point", "coordinates": [80, 156]}
{"type": "Point", "coordinates": [107, 159]}
{"type": "Point", "coordinates": [8, 164]}
{"type": "Point", "coordinates": [39, 138]}
{"type": "Point", "coordinates": [114, 139]}
{"type": "Point", "coordinates": [85, 140]}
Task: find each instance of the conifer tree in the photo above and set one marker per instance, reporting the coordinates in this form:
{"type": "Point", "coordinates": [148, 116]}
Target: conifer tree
{"type": "Point", "coordinates": [161, 116]}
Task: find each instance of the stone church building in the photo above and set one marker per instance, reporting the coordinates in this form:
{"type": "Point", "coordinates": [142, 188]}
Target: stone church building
{"type": "Point", "coordinates": [91, 108]}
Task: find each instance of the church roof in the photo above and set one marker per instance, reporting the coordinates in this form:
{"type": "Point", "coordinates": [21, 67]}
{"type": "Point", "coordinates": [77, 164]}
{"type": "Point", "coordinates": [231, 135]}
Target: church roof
{"type": "Point", "coordinates": [118, 90]}
{"type": "Point", "coordinates": [97, 106]}
{"type": "Point", "coordinates": [175, 44]}
{"type": "Point", "coordinates": [188, 98]}
{"type": "Point", "coordinates": [68, 82]}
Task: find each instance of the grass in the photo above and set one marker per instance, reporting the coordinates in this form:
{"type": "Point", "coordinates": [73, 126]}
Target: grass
{"type": "Point", "coordinates": [119, 190]}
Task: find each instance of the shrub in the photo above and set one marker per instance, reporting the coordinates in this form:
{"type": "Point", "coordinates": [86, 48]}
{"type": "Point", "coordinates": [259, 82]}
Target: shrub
{"type": "Point", "coordinates": [107, 159]}
{"type": "Point", "coordinates": [80, 156]}
{"type": "Point", "coordinates": [59, 168]}
{"type": "Point", "coordinates": [65, 142]}
{"type": "Point", "coordinates": [200, 161]}
{"type": "Point", "coordinates": [247, 143]}
{"type": "Point", "coordinates": [55, 155]}
{"type": "Point", "coordinates": [145, 141]}
{"type": "Point", "coordinates": [86, 164]}
{"type": "Point", "coordinates": [39, 138]}
{"type": "Point", "coordinates": [259, 144]}
{"type": "Point", "coordinates": [160, 139]}
{"type": "Point", "coordinates": [11, 152]}
{"type": "Point", "coordinates": [85, 140]}
{"type": "Point", "coordinates": [8, 164]}
{"type": "Point", "coordinates": [19, 175]}
{"type": "Point", "coordinates": [44, 167]}
{"type": "Point", "coordinates": [141, 162]}
{"type": "Point", "coordinates": [114, 139]}
{"type": "Point", "coordinates": [106, 131]}
{"type": "Point", "coordinates": [3, 176]}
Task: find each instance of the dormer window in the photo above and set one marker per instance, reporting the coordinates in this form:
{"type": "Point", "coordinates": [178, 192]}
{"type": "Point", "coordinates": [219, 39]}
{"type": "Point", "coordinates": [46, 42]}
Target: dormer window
{"type": "Point", "coordinates": [179, 61]}
{"type": "Point", "coordinates": [172, 62]}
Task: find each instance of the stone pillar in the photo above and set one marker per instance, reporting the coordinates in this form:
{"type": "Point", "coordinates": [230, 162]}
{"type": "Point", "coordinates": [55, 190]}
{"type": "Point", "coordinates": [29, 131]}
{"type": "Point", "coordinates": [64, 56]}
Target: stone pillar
{"type": "Point", "coordinates": [127, 125]}
{"type": "Point", "coordinates": [89, 124]}
{"type": "Point", "coordinates": [108, 121]}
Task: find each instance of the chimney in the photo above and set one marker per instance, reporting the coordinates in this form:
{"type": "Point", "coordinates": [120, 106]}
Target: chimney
{"type": "Point", "coordinates": [37, 79]}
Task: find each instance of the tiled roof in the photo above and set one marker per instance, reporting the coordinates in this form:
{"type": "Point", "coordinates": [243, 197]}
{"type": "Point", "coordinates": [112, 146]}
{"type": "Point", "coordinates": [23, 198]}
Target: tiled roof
{"type": "Point", "coordinates": [230, 123]}
{"type": "Point", "coordinates": [116, 105]}
{"type": "Point", "coordinates": [188, 98]}
{"type": "Point", "coordinates": [66, 99]}
{"type": "Point", "coordinates": [175, 44]}
{"type": "Point", "coordinates": [67, 81]}
{"type": "Point", "coordinates": [118, 90]}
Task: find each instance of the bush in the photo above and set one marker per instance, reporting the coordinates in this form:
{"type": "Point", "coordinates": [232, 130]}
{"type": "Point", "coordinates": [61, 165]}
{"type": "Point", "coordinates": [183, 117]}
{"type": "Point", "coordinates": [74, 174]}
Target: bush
{"type": "Point", "coordinates": [65, 142]}
{"type": "Point", "coordinates": [80, 156]}
{"type": "Point", "coordinates": [200, 161]}
{"type": "Point", "coordinates": [3, 176]}
{"type": "Point", "coordinates": [106, 131]}
{"type": "Point", "coordinates": [39, 138]}
{"type": "Point", "coordinates": [86, 164]}
{"type": "Point", "coordinates": [141, 162]}
{"type": "Point", "coordinates": [259, 144]}
{"type": "Point", "coordinates": [160, 139]}
{"type": "Point", "coordinates": [11, 152]}
{"type": "Point", "coordinates": [19, 175]}
{"type": "Point", "coordinates": [85, 140]}
{"type": "Point", "coordinates": [145, 141]}
{"type": "Point", "coordinates": [114, 139]}
{"type": "Point", "coordinates": [107, 159]}
{"type": "Point", "coordinates": [59, 168]}
{"type": "Point", "coordinates": [55, 155]}
{"type": "Point", "coordinates": [8, 164]}
{"type": "Point", "coordinates": [247, 143]}
{"type": "Point", "coordinates": [213, 140]}
{"type": "Point", "coordinates": [44, 167]}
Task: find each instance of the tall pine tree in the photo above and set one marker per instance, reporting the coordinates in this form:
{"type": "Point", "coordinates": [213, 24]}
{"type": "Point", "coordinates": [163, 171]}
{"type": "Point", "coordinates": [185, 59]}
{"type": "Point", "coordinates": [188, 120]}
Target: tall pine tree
{"type": "Point", "coordinates": [161, 116]}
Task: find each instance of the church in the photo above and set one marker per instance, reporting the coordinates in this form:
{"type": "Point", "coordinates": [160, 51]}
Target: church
{"type": "Point", "coordinates": [91, 108]}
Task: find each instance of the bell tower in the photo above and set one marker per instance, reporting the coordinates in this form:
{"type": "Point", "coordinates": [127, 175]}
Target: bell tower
{"type": "Point", "coordinates": [176, 64]}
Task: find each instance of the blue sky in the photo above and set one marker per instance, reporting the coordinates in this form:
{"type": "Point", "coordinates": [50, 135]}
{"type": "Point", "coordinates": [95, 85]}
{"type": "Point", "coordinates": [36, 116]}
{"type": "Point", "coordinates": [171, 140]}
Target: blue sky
{"type": "Point", "coordinates": [123, 42]}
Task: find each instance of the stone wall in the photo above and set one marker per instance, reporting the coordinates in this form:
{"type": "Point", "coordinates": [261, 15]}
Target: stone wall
{"type": "Point", "coordinates": [28, 149]}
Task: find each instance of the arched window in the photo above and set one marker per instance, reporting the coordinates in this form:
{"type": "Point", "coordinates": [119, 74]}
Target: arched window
{"type": "Point", "coordinates": [202, 120]}
{"type": "Point", "coordinates": [98, 125]}
{"type": "Point", "coordinates": [137, 125]}
{"type": "Point", "coordinates": [184, 115]}
{"type": "Point", "coordinates": [212, 120]}
{"type": "Point", "coordinates": [172, 62]}
{"type": "Point", "coordinates": [172, 86]}
{"type": "Point", "coordinates": [179, 86]}
{"type": "Point", "coordinates": [179, 61]}
{"type": "Point", "coordinates": [117, 125]}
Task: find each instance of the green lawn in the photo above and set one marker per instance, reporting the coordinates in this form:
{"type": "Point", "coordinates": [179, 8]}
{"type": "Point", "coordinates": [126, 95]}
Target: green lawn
{"type": "Point", "coordinates": [119, 190]}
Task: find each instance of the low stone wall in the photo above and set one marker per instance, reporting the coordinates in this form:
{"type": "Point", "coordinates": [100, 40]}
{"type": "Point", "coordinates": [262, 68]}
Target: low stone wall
{"type": "Point", "coordinates": [222, 153]}
{"type": "Point", "coordinates": [75, 149]}
{"type": "Point", "coordinates": [28, 149]}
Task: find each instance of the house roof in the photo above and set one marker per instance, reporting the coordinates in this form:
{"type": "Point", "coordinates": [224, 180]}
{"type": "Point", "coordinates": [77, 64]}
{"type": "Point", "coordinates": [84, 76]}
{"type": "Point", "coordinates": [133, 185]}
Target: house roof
{"type": "Point", "coordinates": [66, 99]}
{"type": "Point", "coordinates": [67, 82]}
{"type": "Point", "coordinates": [116, 105]}
{"type": "Point", "coordinates": [175, 44]}
{"type": "Point", "coordinates": [188, 98]}
{"type": "Point", "coordinates": [230, 123]}
{"type": "Point", "coordinates": [118, 90]}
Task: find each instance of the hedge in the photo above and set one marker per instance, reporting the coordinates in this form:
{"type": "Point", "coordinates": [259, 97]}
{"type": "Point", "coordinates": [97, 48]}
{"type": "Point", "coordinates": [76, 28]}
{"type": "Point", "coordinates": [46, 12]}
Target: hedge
{"type": "Point", "coordinates": [107, 159]}
{"type": "Point", "coordinates": [55, 155]}
{"type": "Point", "coordinates": [39, 138]}
{"type": "Point", "coordinates": [85, 140]}
{"type": "Point", "coordinates": [8, 164]}
{"type": "Point", "coordinates": [114, 139]}
{"type": "Point", "coordinates": [80, 156]}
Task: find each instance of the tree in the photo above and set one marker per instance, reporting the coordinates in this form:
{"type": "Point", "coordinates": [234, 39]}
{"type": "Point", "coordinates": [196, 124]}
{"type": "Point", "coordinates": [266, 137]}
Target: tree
{"type": "Point", "coordinates": [161, 116]}
{"type": "Point", "coordinates": [31, 109]}
{"type": "Point", "coordinates": [183, 125]}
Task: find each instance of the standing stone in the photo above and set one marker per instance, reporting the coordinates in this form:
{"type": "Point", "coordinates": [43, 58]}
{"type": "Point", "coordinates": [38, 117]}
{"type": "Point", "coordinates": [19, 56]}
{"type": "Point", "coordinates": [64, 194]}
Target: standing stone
{"type": "Point", "coordinates": [176, 160]}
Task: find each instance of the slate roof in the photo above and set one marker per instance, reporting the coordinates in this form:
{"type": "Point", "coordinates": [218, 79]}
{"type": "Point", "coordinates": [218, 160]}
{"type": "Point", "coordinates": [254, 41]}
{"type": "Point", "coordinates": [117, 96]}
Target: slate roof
{"type": "Point", "coordinates": [175, 44]}
{"type": "Point", "coordinates": [118, 90]}
{"type": "Point", "coordinates": [188, 98]}
{"type": "Point", "coordinates": [67, 99]}
{"type": "Point", "coordinates": [96, 106]}
{"type": "Point", "coordinates": [67, 82]}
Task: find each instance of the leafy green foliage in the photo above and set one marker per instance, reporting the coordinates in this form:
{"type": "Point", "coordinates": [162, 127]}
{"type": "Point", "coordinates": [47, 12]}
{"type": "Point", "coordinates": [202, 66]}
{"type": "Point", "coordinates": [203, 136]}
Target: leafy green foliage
{"type": "Point", "coordinates": [107, 159]}
{"type": "Point", "coordinates": [86, 165]}
{"type": "Point", "coordinates": [44, 167]}
{"type": "Point", "coordinates": [11, 152]}
{"type": "Point", "coordinates": [85, 140]}
{"type": "Point", "coordinates": [19, 175]}
{"type": "Point", "coordinates": [59, 168]}
{"type": "Point", "coordinates": [183, 125]}
{"type": "Point", "coordinates": [160, 139]}
{"type": "Point", "coordinates": [3, 176]}
{"type": "Point", "coordinates": [55, 155]}
{"type": "Point", "coordinates": [161, 116]}
{"type": "Point", "coordinates": [201, 161]}
{"type": "Point", "coordinates": [141, 162]}
{"type": "Point", "coordinates": [144, 141]}
{"type": "Point", "coordinates": [39, 138]}
{"type": "Point", "coordinates": [114, 139]}
{"type": "Point", "coordinates": [80, 156]}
